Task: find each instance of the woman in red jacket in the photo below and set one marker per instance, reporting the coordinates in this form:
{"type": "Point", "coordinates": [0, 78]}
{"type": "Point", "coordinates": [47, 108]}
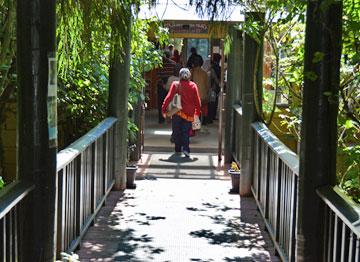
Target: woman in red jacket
{"type": "Point", "coordinates": [190, 102]}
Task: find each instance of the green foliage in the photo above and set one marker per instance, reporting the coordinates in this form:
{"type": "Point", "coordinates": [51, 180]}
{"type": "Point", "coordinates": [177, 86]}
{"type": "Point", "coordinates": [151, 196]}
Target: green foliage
{"type": "Point", "coordinates": [82, 99]}
{"type": "Point", "coordinates": [268, 98]}
{"type": "Point", "coordinates": [144, 55]}
{"type": "Point", "coordinates": [351, 31]}
{"type": "Point", "coordinates": [132, 128]}
{"type": "Point", "coordinates": [2, 183]}
{"type": "Point", "coordinates": [83, 33]}
{"type": "Point", "coordinates": [349, 170]}
{"type": "Point", "coordinates": [284, 31]}
{"type": "Point", "coordinates": [7, 49]}
{"type": "Point", "coordinates": [8, 75]}
{"type": "Point", "coordinates": [91, 34]}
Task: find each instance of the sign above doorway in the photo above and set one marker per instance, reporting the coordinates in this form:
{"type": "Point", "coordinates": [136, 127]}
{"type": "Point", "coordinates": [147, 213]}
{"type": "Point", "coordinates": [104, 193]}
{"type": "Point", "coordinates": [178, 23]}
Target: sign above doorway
{"type": "Point", "coordinates": [187, 28]}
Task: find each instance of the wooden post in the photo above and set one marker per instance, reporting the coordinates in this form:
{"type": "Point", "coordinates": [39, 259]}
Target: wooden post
{"type": "Point", "coordinates": [137, 113]}
{"type": "Point", "coordinates": [252, 76]}
{"type": "Point", "coordinates": [319, 126]}
{"type": "Point", "coordinates": [221, 99]}
{"type": "Point", "coordinates": [118, 103]}
{"type": "Point", "coordinates": [36, 38]}
{"type": "Point", "coordinates": [232, 90]}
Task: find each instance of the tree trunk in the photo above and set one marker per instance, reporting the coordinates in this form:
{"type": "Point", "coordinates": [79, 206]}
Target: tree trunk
{"type": "Point", "coordinates": [233, 89]}
{"type": "Point", "coordinates": [118, 102]}
{"type": "Point", "coordinates": [319, 126]}
{"type": "Point", "coordinates": [36, 158]}
{"type": "Point", "coordinates": [251, 84]}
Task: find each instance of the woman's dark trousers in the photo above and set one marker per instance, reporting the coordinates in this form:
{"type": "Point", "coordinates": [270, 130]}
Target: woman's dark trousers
{"type": "Point", "coordinates": [181, 129]}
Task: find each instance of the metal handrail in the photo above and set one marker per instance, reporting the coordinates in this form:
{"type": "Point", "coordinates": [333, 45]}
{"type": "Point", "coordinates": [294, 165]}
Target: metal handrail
{"type": "Point", "coordinates": [275, 183]}
{"type": "Point", "coordinates": [12, 195]}
{"type": "Point", "coordinates": [284, 153]}
{"type": "Point", "coordinates": [349, 213]}
{"type": "Point", "coordinates": [64, 157]}
{"type": "Point", "coordinates": [85, 176]}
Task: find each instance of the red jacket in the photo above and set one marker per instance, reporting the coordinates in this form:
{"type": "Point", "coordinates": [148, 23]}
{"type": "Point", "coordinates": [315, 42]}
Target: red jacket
{"type": "Point", "coordinates": [190, 99]}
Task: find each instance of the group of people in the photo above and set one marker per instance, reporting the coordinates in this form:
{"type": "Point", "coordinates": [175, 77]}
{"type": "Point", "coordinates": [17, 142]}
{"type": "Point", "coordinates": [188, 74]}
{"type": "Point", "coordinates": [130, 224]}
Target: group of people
{"type": "Point", "coordinates": [199, 91]}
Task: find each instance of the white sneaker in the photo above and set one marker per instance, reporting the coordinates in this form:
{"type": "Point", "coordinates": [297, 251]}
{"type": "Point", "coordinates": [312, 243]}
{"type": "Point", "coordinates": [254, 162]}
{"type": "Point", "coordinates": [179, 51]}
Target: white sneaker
{"type": "Point", "coordinates": [186, 153]}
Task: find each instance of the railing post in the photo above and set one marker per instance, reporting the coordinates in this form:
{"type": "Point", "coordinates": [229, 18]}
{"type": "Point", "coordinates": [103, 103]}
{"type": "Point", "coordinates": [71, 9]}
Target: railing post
{"type": "Point", "coordinates": [319, 122]}
{"type": "Point", "coordinates": [36, 43]}
{"type": "Point", "coordinates": [252, 76]}
{"type": "Point", "coordinates": [233, 90]}
{"type": "Point", "coordinates": [135, 154]}
{"type": "Point", "coordinates": [118, 99]}
{"type": "Point", "coordinates": [60, 221]}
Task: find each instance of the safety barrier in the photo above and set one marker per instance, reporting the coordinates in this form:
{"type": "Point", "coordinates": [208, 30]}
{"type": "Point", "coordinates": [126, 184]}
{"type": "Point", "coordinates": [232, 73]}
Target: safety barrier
{"type": "Point", "coordinates": [275, 183]}
{"type": "Point", "coordinates": [85, 175]}
{"type": "Point", "coordinates": [11, 239]}
{"type": "Point", "coordinates": [342, 227]}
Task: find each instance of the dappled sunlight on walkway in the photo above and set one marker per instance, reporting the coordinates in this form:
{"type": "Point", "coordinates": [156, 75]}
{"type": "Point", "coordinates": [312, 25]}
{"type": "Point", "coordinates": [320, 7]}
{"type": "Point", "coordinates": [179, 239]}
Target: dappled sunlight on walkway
{"type": "Point", "coordinates": [177, 220]}
{"type": "Point", "coordinates": [198, 166]}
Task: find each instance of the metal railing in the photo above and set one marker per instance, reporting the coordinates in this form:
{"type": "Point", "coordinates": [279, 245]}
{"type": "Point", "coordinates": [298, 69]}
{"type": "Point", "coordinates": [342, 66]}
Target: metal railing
{"type": "Point", "coordinates": [342, 227]}
{"type": "Point", "coordinates": [11, 198]}
{"type": "Point", "coordinates": [274, 186]}
{"type": "Point", "coordinates": [85, 175]}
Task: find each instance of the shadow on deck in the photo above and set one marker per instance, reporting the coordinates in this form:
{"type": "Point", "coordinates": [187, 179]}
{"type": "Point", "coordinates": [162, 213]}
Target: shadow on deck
{"type": "Point", "coordinates": [178, 220]}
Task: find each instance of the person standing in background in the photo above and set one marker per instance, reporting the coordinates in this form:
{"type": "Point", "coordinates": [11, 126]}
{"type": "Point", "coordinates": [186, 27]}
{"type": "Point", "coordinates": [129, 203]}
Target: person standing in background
{"type": "Point", "coordinates": [171, 49]}
{"type": "Point", "coordinates": [176, 56]}
{"type": "Point", "coordinates": [214, 77]}
{"type": "Point", "coordinates": [200, 78]}
{"type": "Point", "coordinates": [194, 55]}
{"type": "Point", "coordinates": [182, 120]}
{"type": "Point", "coordinates": [173, 77]}
{"type": "Point", "coordinates": [207, 64]}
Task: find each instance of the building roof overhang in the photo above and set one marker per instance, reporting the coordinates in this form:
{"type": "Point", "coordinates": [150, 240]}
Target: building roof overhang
{"type": "Point", "coordinates": [183, 21]}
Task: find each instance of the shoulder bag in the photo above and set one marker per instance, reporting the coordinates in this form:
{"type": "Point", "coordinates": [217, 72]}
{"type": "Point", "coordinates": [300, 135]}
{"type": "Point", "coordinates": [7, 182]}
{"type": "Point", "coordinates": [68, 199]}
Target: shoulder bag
{"type": "Point", "coordinates": [175, 104]}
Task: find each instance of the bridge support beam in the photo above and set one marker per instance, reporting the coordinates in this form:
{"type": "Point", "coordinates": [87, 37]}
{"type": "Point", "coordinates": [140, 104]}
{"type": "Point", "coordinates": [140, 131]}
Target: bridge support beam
{"type": "Point", "coordinates": [36, 42]}
{"type": "Point", "coordinates": [233, 90]}
{"type": "Point", "coordinates": [251, 98]}
{"type": "Point", "coordinates": [319, 123]}
{"type": "Point", "coordinates": [118, 101]}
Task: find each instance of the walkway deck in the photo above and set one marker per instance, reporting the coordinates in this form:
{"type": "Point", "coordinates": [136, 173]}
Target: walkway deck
{"type": "Point", "coordinates": [170, 217]}
{"type": "Point", "coordinates": [157, 136]}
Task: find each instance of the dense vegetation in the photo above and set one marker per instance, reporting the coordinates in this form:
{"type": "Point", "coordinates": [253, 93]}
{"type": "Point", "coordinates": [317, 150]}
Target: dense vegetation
{"type": "Point", "coordinates": [286, 37]}
{"type": "Point", "coordinates": [7, 65]}
{"type": "Point", "coordinates": [87, 34]}
{"type": "Point", "coordinates": [85, 50]}
{"type": "Point", "coordinates": [88, 31]}
{"type": "Point", "coordinates": [283, 30]}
